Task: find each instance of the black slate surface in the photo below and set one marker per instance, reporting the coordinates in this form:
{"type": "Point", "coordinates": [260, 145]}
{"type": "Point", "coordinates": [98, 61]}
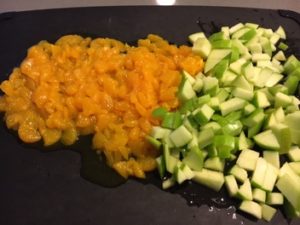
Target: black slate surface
{"type": "Point", "coordinates": [46, 188]}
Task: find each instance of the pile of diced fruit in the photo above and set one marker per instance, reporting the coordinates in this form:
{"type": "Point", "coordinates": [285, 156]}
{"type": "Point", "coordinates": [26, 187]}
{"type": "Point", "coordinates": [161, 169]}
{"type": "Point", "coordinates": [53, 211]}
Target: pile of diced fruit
{"type": "Point", "coordinates": [242, 110]}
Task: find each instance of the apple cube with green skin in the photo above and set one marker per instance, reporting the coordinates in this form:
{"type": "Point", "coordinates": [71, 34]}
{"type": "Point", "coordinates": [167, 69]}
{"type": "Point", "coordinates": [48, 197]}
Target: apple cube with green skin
{"type": "Point", "coordinates": [193, 37]}
{"type": "Point", "coordinates": [203, 114]}
{"type": "Point", "coordinates": [202, 46]}
{"type": "Point", "coordinates": [252, 208]}
{"type": "Point", "coordinates": [231, 185]}
{"type": "Point", "coordinates": [294, 154]}
{"type": "Point", "coordinates": [239, 173]}
{"type": "Point", "coordinates": [231, 105]}
{"type": "Point", "coordinates": [293, 121]}
{"type": "Point", "coordinates": [272, 157]}
{"type": "Point", "coordinates": [270, 177]}
{"type": "Point", "coordinates": [220, 68]}
{"type": "Point", "coordinates": [215, 56]}
{"type": "Point", "coordinates": [267, 140]}
{"type": "Point", "coordinates": [245, 191]}
{"type": "Point", "coordinates": [295, 166]}
{"type": "Point", "coordinates": [259, 195]}
{"type": "Point", "coordinates": [274, 198]}
{"type": "Point", "coordinates": [247, 159]}
{"type": "Point", "coordinates": [194, 159]}
{"type": "Point", "coordinates": [283, 136]}
{"type": "Point", "coordinates": [237, 65]}
{"type": "Point", "coordinates": [224, 145]}
{"type": "Point", "coordinates": [244, 142]}
{"type": "Point", "coordinates": [268, 212]}
{"type": "Point", "coordinates": [169, 160]}
{"type": "Point", "coordinates": [186, 91]}
{"type": "Point", "coordinates": [160, 161]}
{"type": "Point", "coordinates": [205, 137]}
{"type": "Point", "coordinates": [215, 163]}
{"type": "Point", "coordinates": [256, 117]}
{"type": "Point", "coordinates": [168, 183]}
{"type": "Point", "coordinates": [209, 178]}
{"type": "Point", "coordinates": [181, 136]}
{"type": "Point", "coordinates": [290, 188]}
{"type": "Point", "coordinates": [258, 176]}
{"type": "Point", "coordinates": [210, 85]}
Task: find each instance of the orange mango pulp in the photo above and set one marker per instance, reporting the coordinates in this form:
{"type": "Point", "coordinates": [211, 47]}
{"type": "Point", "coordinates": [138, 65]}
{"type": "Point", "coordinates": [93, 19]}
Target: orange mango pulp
{"type": "Point", "coordinates": [103, 87]}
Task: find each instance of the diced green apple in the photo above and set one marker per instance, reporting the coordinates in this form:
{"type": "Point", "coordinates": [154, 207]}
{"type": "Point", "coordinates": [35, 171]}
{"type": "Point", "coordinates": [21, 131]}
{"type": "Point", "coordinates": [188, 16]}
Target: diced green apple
{"type": "Point", "coordinates": [209, 178]}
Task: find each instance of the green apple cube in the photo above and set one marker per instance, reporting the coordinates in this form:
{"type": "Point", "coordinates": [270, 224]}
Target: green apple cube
{"type": "Point", "coordinates": [159, 132]}
{"type": "Point", "coordinates": [282, 100]}
{"type": "Point", "coordinates": [203, 114]}
{"type": "Point", "coordinates": [272, 157]}
{"type": "Point", "coordinates": [166, 184]}
{"type": "Point", "coordinates": [291, 64]}
{"type": "Point", "coordinates": [244, 142]}
{"type": "Point", "coordinates": [160, 162]}
{"type": "Point", "coordinates": [283, 136]}
{"type": "Point", "coordinates": [198, 85]}
{"type": "Point", "coordinates": [193, 37]}
{"type": "Point", "coordinates": [256, 117]}
{"type": "Point", "coordinates": [259, 195]}
{"type": "Point", "coordinates": [290, 188]}
{"type": "Point", "coordinates": [274, 198]}
{"type": "Point", "coordinates": [215, 56]}
{"type": "Point", "coordinates": [239, 173]}
{"type": "Point", "coordinates": [295, 166]}
{"type": "Point", "coordinates": [215, 163]}
{"type": "Point", "coordinates": [181, 136]}
{"type": "Point", "coordinates": [210, 178]}
{"type": "Point", "coordinates": [245, 191]}
{"type": "Point", "coordinates": [220, 68]}
{"type": "Point", "coordinates": [231, 105]}
{"type": "Point", "coordinates": [235, 28]}
{"type": "Point", "coordinates": [247, 159]}
{"type": "Point", "coordinates": [258, 176]}
{"type": "Point", "coordinates": [279, 115]}
{"type": "Point", "coordinates": [249, 35]}
{"type": "Point", "coordinates": [231, 185]}
{"type": "Point", "coordinates": [267, 140]}
{"type": "Point", "coordinates": [270, 177]}
{"type": "Point", "coordinates": [242, 93]}
{"type": "Point", "coordinates": [205, 137]}
{"type": "Point", "coordinates": [268, 212]}
{"type": "Point", "coordinates": [280, 56]}
{"type": "Point", "coordinates": [293, 121]}
{"type": "Point", "coordinates": [281, 32]}
{"type": "Point", "coordinates": [251, 208]}
{"type": "Point", "coordinates": [202, 46]}
{"type": "Point", "coordinates": [224, 145]}
{"type": "Point", "coordinates": [169, 160]}
{"type": "Point", "coordinates": [237, 65]}
{"type": "Point", "coordinates": [294, 154]}
{"type": "Point", "coordinates": [260, 100]}
{"type": "Point", "coordinates": [242, 82]}
{"type": "Point", "coordinates": [239, 33]}
{"type": "Point", "coordinates": [221, 44]}
{"type": "Point", "coordinates": [186, 91]}
{"type": "Point", "coordinates": [264, 75]}
{"type": "Point", "coordinates": [210, 85]}
{"type": "Point", "coordinates": [249, 108]}
{"type": "Point", "coordinates": [194, 159]}
{"type": "Point", "coordinates": [274, 79]}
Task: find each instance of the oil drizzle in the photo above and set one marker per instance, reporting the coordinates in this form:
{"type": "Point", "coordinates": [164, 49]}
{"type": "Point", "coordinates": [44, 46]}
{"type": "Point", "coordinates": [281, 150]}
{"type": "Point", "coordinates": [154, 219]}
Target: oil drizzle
{"type": "Point", "coordinates": [93, 165]}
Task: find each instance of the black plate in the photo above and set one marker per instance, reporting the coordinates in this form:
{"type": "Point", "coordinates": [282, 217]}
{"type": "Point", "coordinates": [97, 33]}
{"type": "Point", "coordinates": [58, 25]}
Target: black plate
{"type": "Point", "coordinates": [38, 188]}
